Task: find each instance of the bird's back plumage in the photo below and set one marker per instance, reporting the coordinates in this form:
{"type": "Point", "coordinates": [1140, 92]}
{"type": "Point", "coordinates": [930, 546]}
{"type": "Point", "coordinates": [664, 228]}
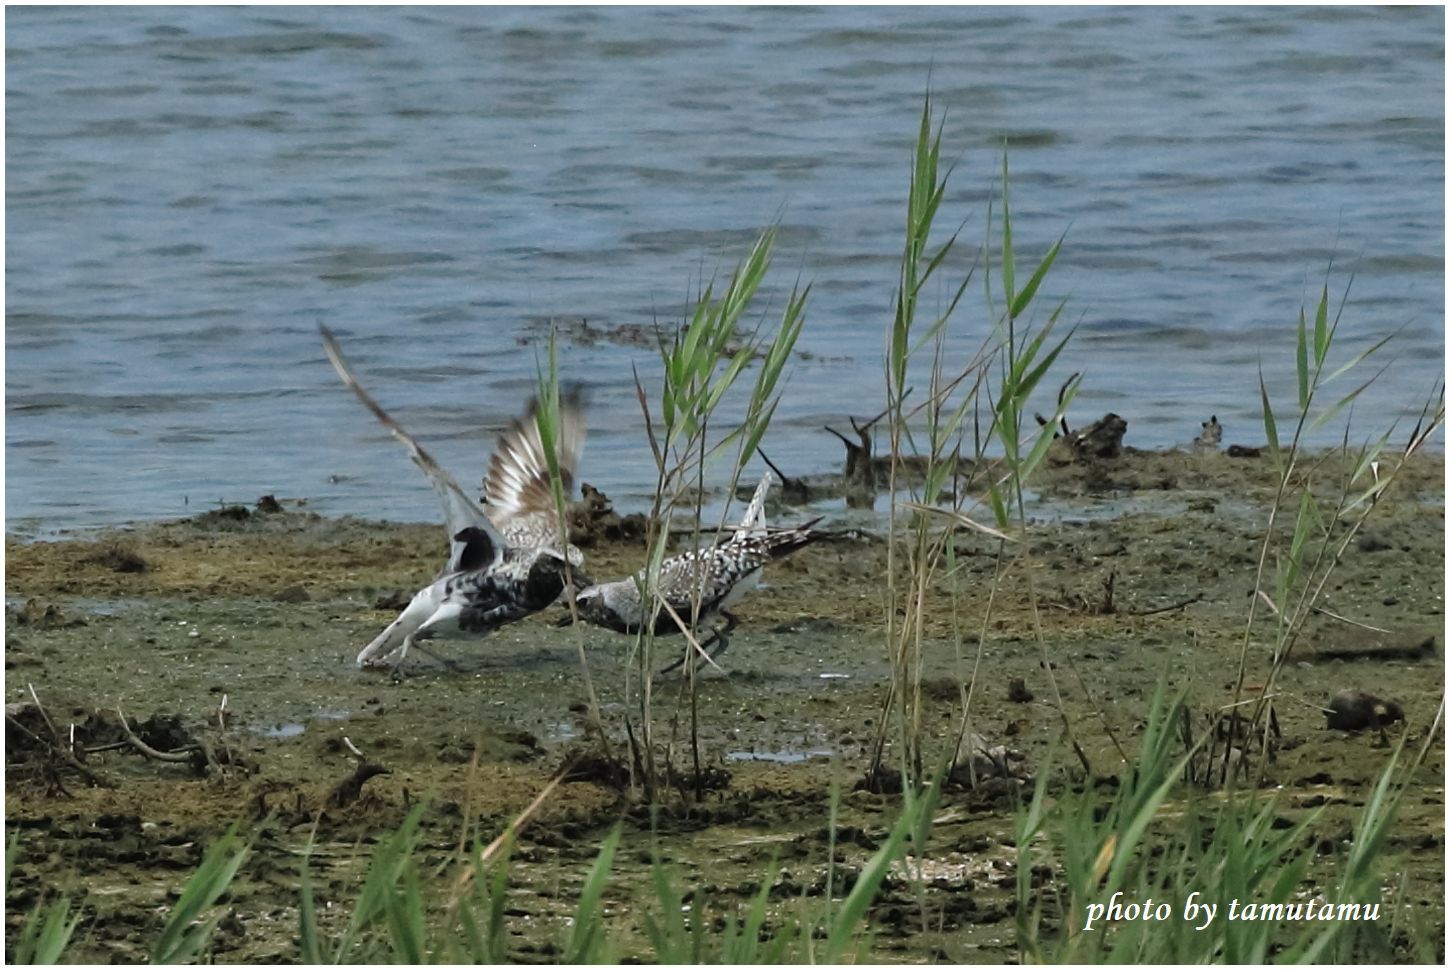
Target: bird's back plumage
{"type": "Point", "coordinates": [713, 578]}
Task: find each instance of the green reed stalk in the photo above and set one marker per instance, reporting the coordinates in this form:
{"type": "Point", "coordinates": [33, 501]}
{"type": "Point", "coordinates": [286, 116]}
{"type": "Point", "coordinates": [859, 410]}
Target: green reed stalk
{"type": "Point", "coordinates": [919, 553]}
{"type": "Point", "coordinates": [1025, 361]}
{"type": "Point", "coordinates": [549, 424]}
{"type": "Point", "coordinates": [1302, 569]}
{"type": "Point", "coordinates": [587, 942]}
{"type": "Point", "coordinates": [700, 368]}
{"type": "Point", "coordinates": [398, 915]}
{"type": "Point", "coordinates": [188, 927]}
{"type": "Point", "coordinates": [922, 553]}
{"type": "Point", "coordinates": [48, 927]}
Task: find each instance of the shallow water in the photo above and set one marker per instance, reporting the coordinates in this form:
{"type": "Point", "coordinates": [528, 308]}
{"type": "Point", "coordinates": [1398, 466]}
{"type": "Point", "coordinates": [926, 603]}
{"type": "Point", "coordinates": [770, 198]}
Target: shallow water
{"type": "Point", "coordinates": [191, 190]}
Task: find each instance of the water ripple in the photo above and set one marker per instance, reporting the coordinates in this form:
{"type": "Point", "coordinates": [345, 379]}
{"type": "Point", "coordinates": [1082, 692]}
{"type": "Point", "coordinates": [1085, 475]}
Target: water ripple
{"type": "Point", "coordinates": [190, 190]}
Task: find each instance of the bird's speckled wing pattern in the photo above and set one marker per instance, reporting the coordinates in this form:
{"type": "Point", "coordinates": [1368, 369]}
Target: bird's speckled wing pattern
{"type": "Point", "coordinates": [723, 573]}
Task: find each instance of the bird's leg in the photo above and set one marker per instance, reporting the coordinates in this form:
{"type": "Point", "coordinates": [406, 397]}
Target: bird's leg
{"type": "Point", "coordinates": [394, 660]}
{"type": "Point", "coordinates": [720, 637]}
{"type": "Point", "coordinates": [402, 652]}
{"type": "Point", "coordinates": [690, 652]}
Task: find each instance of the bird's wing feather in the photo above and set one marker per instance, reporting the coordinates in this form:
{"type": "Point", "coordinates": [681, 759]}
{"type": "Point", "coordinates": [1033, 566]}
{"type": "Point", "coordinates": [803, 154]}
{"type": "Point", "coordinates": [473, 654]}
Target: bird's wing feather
{"type": "Point", "coordinates": [460, 513]}
{"type": "Point", "coordinates": [518, 473]}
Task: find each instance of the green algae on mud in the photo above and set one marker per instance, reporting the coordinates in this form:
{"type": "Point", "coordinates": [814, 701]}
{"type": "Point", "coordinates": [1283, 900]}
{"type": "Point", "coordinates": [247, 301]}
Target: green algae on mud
{"type": "Point", "coordinates": [1144, 572]}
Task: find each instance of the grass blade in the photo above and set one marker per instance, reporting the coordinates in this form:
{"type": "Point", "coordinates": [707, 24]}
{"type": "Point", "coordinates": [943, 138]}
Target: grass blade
{"type": "Point", "coordinates": [1271, 428]}
{"type": "Point", "coordinates": [1019, 305]}
{"type": "Point", "coordinates": [1321, 329]}
{"type": "Point", "coordinates": [46, 933]}
{"type": "Point", "coordinates": [1301, 363]}
{"type": "Point", "coordinates": [583, 944]}
{"type": "Point", "coordinates": [1008, 269]}
{"type": "Point", "coordinates": [185, 933]}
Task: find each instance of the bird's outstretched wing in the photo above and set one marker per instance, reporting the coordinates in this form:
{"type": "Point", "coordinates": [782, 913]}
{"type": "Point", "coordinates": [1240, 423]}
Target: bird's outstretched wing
{"type": "Point", "coordinates": [474, 543]}
{"type": "Point", "coordinates": [517, 488]}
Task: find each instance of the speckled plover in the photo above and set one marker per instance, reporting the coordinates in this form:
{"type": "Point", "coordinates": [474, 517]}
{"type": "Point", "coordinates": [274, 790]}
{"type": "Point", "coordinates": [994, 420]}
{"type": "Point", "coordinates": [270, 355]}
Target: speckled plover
{"type": "Point", "coordinates": [717, 577]}
{"type": "Point", "coordinates": [505, 561]}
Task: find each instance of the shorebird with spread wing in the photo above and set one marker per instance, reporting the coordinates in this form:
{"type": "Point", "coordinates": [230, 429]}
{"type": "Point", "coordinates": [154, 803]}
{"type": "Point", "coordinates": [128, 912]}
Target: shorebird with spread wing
{"type": "Point", "coordinates": [505, 560]}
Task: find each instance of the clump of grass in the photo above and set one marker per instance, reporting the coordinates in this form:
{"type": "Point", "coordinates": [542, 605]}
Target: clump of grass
{"type": "Point", "coordinates": [700, 368]}
{"type": "Point", "coordinates": [1290, 578]}
{"type": "Point", "coordinates": [399, 916]}
{"type": "Point", "coordinates": [922, 549]}
{"type": "Point", "coordinates": [48, 928]}
{"type": "Point", "coordinates": [1156, 840]}
{"type": "Point", "coordinates": [702, 362]}
{"type": "Point", "coordinates": [549, 424]}
{"type": "Point", "coordinates": [192, 919]}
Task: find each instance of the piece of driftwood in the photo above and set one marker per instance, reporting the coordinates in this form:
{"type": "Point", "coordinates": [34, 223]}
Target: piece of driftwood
{"type": "Point", "coordinates": [860, 471]}
{"type": "Point", "coordinates": [15, 714]}
{"type": "Point", "coordinates": [592, 519]}
{"type": "Point", "coordinates": [1101, 439]}
{"type": "Point", "coordinates": [864, 473]}
{"type": "Point", "coordinates": [1180, 604]}
{"type": "Point", "coordinates": [195, 750]}
{"type": "Point", "coordinates": [1063, 430]}
{"type": "Point", "coordinates": [349, 790]}
{"type": "Point", "coordinates": [793, 491]}
{"type": "Point", "coordinates": [179, 756]}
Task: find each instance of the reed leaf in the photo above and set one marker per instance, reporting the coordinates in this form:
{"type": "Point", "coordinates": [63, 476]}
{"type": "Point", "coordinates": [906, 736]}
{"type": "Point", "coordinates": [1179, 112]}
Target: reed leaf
{"type": "Point", "coordinates": [186, 931]}
{"type": "Point", "coordinates": [585, 936]}
{"type": "Point", "coordinates": [1322, 333]}
{"type": "Point", "coordinates": [46, 932]}
{"type": "Point", "coordinates": [1271, 428]}
{"type": "Point", "coordinates": [1301, 363]}
{"type": "Point", "coordinates": [1024, 299]}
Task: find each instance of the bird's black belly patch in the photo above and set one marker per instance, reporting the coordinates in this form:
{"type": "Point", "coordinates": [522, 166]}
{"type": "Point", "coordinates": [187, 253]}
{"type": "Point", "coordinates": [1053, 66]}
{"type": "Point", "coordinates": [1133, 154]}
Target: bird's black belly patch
{"type": "Point", "coordinates": [545, 583]}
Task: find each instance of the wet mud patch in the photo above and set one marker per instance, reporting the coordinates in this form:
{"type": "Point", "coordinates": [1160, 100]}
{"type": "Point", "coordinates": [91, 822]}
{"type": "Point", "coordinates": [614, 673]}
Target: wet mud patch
{"type": "Point", "coordinates": [240, 631]}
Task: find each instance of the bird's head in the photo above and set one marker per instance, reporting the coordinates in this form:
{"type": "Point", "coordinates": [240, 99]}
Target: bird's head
{"type": "Point", "coordinates": [600, 605]}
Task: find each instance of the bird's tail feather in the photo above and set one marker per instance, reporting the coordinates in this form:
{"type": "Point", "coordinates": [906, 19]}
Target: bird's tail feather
{"type": "Point", "coordinates": [783, 542]}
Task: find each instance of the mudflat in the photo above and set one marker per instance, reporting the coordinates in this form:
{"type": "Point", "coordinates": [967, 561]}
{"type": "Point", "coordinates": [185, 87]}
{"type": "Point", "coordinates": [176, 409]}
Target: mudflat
{"type": "Point", "coordinates": [230, 637]}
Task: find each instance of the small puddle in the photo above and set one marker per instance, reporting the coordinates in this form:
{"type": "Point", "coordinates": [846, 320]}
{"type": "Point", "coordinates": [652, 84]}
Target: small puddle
{"type": "Point", "coordinates": [562, 731]}
{"type": "Point", "coordinates": [785, 757]}
{"type": "Point", "coordinates": [292, 729]}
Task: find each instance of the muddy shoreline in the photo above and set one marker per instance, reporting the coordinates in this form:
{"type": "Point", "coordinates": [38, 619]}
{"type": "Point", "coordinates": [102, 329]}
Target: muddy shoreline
{"type": "Point", "coordinates": [1143, 571]}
